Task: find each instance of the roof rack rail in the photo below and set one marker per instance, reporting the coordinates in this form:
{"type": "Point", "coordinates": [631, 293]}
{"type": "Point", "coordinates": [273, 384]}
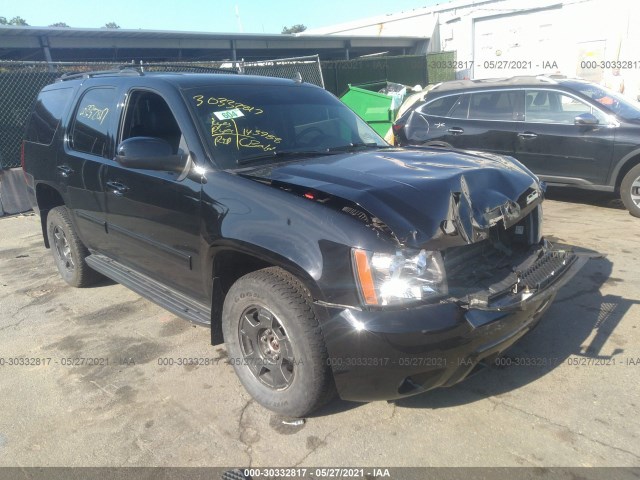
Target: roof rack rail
{"type": "Point", "coordinates": [124, 70]}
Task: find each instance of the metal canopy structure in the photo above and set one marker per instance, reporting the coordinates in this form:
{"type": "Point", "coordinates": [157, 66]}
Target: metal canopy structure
{"type": "Point", "coordinates": [102, 44]}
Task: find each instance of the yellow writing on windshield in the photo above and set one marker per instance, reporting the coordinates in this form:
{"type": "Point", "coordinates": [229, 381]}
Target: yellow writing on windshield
{"type": "Point", "coordinates": [226, 102]}
{"type": "Point", "coordinates": [92, 112]}
{"type": "Point", "coordinates": [228, 132]}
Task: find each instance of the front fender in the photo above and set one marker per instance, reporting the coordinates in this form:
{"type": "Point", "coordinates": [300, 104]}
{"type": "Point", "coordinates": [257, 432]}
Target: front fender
{"type": "Point", "coordinates": [280, 228]}
{"type": "Point", "coordinates": [621, 164]}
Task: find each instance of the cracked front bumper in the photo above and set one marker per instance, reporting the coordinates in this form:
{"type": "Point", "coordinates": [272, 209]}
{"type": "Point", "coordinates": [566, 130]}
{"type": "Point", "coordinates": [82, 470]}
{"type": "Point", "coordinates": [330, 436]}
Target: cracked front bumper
{"type": "Point", "coordinates": [390, 354]}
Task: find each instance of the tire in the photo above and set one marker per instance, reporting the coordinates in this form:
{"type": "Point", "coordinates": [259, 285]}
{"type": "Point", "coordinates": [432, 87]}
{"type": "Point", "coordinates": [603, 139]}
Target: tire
{"type": "Point", "coordinates": [68, 251]}
{"type": "Point", "coordinates": [274, 342]}
{"type": "Point", "coordinates": [630, 191]}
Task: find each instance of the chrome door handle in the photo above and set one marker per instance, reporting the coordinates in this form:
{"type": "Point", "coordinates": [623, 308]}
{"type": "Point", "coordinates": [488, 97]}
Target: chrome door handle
{"type": "Point", "coordinates": [65, 170]}
{"type": "Point", "coordinates": [527, 135]}
{"type": "Point", "coordinates": [455, 130]}
{"type": "Point", "coordinates": [117, 188]}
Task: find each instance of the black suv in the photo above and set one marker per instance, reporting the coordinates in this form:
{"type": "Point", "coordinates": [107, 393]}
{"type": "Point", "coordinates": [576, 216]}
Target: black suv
{"type": "Point", "coordinates": [267, 210]}
{"type": "Point", "coordinates": [567, 131]}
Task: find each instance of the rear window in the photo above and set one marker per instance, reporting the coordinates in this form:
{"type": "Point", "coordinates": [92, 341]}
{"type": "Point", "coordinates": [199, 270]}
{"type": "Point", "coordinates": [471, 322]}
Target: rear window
{"type": "Point", "coordinates": [46, 115]}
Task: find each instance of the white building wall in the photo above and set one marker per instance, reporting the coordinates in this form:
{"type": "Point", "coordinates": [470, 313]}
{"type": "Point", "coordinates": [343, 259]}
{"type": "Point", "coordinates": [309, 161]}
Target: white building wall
{"type": "Point", "coordinates": [496, 38]}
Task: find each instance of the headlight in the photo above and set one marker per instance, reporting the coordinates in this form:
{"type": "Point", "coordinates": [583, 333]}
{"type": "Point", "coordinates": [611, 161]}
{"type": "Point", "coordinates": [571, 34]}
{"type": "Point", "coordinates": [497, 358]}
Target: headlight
{"type": "Point", "coordinates": [407, 276]}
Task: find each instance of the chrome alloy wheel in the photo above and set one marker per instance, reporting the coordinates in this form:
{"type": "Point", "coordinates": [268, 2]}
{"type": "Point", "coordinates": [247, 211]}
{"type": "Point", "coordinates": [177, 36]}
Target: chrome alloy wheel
{"type": "Point", "coordinates": [635, 191]}
{"type": "Point", "coordinates": [63, 248]}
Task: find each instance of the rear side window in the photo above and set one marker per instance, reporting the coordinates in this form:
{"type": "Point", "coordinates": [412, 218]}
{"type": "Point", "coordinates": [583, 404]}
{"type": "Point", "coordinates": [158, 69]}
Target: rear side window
{"type": "Point", "coordinates": [440, 107]}
{"type": "Point", "coordinates": [461, 108]}
{"type": "Point", "coordinates": [91, 126]}
{"type": "Point", "coordinates": [494, 105]}
{"type": "Point", "coordinates": [46, 115]}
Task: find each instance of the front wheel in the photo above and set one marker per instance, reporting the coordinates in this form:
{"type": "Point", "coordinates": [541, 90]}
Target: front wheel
{"type": "Point", "coordinates": [275, 344]}
{"type": "Point", "coordinates": [630, 191]}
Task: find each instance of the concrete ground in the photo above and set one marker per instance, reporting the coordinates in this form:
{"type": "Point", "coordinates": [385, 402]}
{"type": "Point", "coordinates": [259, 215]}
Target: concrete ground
{"type": "Point", "coordinates": [572, 401]}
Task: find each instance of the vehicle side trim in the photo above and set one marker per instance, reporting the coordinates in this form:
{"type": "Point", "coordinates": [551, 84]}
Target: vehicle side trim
{"type": "Point", "coordinates": [186, 259]}
{"type": "Point", "coordinates": [581, 182]}
{"type": "Point", "coordinates": [561, 182]}
{"type": "Point", "coordinates": [159, 293]}
{"type": "Point", "coordinates": [91, 219]}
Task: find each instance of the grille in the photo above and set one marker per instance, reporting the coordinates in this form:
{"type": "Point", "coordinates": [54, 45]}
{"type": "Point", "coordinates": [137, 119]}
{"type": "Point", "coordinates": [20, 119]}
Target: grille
{"type": "Point", "coordinates": [543, 271]}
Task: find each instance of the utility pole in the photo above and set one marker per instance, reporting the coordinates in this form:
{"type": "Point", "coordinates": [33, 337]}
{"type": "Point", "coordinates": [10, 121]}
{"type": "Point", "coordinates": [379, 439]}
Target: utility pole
{"type": "Point", "coordinates": [240, 29]}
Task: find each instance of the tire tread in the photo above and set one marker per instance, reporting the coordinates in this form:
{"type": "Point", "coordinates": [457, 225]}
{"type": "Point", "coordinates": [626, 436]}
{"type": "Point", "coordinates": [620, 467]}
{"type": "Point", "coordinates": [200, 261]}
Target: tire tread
{"type": "Point", "coordinates": [625, 191]}
{"type": "Point", "coordinates": [298, 301]}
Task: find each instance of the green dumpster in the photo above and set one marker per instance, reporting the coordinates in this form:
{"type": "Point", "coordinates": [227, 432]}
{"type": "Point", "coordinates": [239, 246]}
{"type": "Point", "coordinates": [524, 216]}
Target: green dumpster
{"type": "Point", "coordinates": [376, 108]}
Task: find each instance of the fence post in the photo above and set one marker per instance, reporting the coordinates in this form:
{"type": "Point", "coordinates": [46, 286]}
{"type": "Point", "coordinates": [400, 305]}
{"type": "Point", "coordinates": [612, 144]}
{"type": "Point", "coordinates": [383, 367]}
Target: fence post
{"type": "Point", "coordinates": [320, 70]}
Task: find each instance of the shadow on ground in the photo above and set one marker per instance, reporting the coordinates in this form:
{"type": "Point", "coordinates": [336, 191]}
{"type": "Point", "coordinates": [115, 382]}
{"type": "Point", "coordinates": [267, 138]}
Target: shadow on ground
{"type": "Point", "coordinates": [585, 197]}
{"type": "Point", "coordinates": [578, 323]}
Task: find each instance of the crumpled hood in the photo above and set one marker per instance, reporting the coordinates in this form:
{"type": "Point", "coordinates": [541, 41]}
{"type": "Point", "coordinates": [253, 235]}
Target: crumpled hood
{"type": "Point", "coordinates": [425, 195]}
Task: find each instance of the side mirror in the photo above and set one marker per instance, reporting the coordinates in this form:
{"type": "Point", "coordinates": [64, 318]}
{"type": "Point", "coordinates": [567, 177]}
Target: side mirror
{"type": "Point", "coordinates": [586, 119]}
{"type": "Point", "coordinates": [149, 153]}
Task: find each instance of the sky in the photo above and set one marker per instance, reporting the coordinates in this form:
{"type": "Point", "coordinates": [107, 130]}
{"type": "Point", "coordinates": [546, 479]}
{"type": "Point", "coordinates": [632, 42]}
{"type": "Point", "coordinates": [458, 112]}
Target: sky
{"type": "Point", "coordinates": [202, 15]}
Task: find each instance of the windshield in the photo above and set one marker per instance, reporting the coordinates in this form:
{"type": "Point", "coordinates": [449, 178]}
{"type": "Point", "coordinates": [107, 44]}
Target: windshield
{"type": "Point", "coordinates": [612, 101]}
{"type": "Point", "coordinates": [247, 123]}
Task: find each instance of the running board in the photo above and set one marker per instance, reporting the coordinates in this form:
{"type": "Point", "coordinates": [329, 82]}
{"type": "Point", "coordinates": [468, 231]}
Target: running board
{"type": "Point", "coordinates": [160, 294]}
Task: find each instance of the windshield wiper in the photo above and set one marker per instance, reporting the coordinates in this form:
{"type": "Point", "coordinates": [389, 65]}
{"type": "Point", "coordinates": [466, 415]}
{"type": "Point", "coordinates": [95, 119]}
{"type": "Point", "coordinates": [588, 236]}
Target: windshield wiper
{"type": "Point", "coordinates": [355, 145]}
{"type": "Point", "coordinates": [281, 154]}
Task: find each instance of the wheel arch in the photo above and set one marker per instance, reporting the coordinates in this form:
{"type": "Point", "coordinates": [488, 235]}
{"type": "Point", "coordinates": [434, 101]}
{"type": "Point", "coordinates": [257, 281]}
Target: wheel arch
{"type": "Point", "coordinates": [438, 144]}
{"type": "Point", "coordinates": [228, 264]}
{"type": "Point", "coordinates": [47, 197]}
{"type": "Point", "coordinates": [622, 168]}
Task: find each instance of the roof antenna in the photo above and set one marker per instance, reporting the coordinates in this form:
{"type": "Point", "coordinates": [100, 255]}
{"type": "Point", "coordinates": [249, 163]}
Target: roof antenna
{"type": "Point", "coordinates": [297, 77]}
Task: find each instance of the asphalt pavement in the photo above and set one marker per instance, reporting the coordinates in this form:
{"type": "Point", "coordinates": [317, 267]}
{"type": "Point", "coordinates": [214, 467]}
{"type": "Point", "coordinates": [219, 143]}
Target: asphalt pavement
{"type": "Point", "coordinates": [566, 395]}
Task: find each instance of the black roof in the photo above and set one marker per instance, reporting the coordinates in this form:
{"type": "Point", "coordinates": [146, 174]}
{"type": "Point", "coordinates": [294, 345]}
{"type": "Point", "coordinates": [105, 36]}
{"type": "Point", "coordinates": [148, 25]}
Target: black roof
{"type": "Point", "coordinates": [185, 80]}
{"type": "Point", "coordinates": [522, 80]}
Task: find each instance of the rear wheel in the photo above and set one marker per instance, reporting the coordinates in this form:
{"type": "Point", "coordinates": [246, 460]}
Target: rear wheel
{"type": "Point", "coordinates": [630, 191]}
{"type": "Point", "coordinates": [68, 251]}
{"type": "Point", "coordinates": [275, 344]}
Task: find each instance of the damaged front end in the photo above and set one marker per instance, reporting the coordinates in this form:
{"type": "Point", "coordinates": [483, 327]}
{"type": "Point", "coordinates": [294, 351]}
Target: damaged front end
{"type": "Point", "coordinates": [454, 272]}
{"type": "Point", "coordinates": [444, 315]}
{"type": "Point", "coordinates": [506, 269]}
{"type": "Point", "coordinates": [502, 268]}
{"type": "Point", "coordinates": [467, 231]}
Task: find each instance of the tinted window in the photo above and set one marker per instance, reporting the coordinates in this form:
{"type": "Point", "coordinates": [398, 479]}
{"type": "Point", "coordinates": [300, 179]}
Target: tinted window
{"type": "Point", "coordinates": [148, 115]}
{"type": "Point", "coordinates": [241, 122]}
{"type": "Point", "coordinates": [461, 108]}
{"type": "Point", "coordinates": [91, 125]}
{"type": "Point", "coordinates": [46, 115]}
{"type": "Point", "coordinates": [545, 106]}
{"type": "Point", "coordinates": [440, 107]}
{"type": "Point", "coordinates": [493, 105]}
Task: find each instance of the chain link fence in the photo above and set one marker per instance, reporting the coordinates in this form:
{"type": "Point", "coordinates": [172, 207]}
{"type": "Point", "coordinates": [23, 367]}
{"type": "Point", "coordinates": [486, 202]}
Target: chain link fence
{"type": "Point", "coordinates": [20, 83]}
{"type": "Point", "coordinates": [308, 67]}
